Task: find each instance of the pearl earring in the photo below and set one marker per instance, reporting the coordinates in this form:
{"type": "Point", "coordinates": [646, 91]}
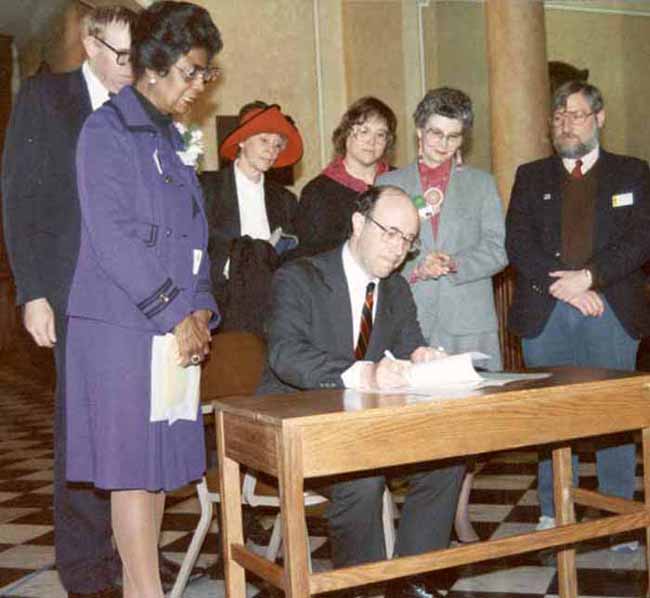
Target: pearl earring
{"type": "Point", "coordinates": [152, 81]}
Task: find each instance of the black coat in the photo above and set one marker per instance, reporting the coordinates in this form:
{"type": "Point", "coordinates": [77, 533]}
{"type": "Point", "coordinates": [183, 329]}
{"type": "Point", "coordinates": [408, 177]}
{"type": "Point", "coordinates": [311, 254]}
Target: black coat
{"type": "Point", "coordinates": [621, 241]}
{"type": "Point", "coordinates": [39, 186]}
{"type": "Point", "coordinates": [220, 192]}
{"type": "Point", "coordinates": [324, 214]}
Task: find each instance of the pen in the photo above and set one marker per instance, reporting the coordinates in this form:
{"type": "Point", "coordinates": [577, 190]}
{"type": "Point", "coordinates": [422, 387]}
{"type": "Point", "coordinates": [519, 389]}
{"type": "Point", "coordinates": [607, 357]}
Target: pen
{"type": "Point", "coordinates": [389, 355]}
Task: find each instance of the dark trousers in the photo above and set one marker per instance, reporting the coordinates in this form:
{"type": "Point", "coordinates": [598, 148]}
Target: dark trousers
{"type": "Point", "coordinates": [355, 515]}
{"type": "Point", "coordinates": [84, 554]}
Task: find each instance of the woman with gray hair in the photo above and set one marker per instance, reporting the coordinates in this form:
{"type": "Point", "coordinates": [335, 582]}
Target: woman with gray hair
{"type": "Point", "coordinates": [462, 235]}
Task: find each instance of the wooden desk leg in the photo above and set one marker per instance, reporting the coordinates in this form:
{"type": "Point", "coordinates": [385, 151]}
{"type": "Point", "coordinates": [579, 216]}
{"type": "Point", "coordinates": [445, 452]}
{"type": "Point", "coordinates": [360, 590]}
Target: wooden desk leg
{"type": "Point", "coordinates": [291, 481]}
{"type": "Point", "coordinates": [231, 516]}
{"type": "Point", "coordinates": [564, 514]}
{"type": "Point", "coordinates": [645, 447]}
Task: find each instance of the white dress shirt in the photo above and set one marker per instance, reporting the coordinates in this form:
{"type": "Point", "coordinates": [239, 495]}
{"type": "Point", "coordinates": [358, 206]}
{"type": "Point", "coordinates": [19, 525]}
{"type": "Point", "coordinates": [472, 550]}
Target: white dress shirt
{"type": "Point", "coordinates": [253, 218]}
{"type": "Point", "coordinates": [98, 93]}
{"type": "Point", "coordinates": [357, 279]}
{"type": "Point", "coordinates": [588, 160]}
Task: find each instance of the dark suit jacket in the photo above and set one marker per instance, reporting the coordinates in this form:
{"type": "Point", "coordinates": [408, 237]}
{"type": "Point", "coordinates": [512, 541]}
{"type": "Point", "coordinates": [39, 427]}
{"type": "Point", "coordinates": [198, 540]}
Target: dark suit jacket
{"type": "Point", "coordinates": [310, 325]}
{"type": "Point", "coordinates": [39, 187]}
{"type": "Point", "coordinates": [621, 241]}
{"type": "Point", "coordinates": [220, 192]}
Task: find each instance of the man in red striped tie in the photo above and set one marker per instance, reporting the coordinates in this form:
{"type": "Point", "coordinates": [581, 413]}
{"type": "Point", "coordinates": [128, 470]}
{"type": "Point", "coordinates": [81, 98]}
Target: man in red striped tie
{"type": "Point", "coordinates": [334, 318]}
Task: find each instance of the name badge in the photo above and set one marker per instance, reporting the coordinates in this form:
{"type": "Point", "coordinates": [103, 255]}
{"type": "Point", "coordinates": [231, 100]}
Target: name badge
{"type": "Point", "coordinates": [623, 199]}
{"type": "Point", "coordinates": [198, 254]}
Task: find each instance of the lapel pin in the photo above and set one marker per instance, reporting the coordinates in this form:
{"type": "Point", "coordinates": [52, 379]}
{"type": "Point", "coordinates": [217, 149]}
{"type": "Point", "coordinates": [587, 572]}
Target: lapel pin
{"type": "Point", "coordinates": [546, 197]}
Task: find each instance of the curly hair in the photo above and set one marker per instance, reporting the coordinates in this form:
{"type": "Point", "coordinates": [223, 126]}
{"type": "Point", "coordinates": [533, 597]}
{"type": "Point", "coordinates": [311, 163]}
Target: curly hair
{"type": "Point", "coordinates": [445, 101]}
{"type": "Point", "coordinates": [357, 114]}
{"type": "Point", "coordinates": [168, 30]}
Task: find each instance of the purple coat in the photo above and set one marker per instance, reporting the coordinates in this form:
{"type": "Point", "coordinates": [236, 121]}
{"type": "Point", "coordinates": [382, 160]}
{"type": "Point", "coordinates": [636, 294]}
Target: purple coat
{"type": "Point", "coordinates": [135, 267]}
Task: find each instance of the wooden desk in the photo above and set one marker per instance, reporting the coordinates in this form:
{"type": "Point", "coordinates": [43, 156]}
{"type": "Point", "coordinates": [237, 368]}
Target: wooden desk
{"type": "Point", "coordinates": [311, 434]}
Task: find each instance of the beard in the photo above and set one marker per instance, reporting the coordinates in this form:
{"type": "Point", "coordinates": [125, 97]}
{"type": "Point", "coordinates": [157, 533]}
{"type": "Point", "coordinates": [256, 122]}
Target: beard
{"type": "Point", "coordinates": [569, 146]}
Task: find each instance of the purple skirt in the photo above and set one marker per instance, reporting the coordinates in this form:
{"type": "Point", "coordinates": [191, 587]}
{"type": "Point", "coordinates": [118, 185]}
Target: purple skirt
{"type": "Point", "coordinates": [110, 440]}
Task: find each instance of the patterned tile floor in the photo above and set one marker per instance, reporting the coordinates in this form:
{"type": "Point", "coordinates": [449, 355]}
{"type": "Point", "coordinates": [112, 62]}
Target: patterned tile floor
{"type": "Point", "coordinates": [503, 502]}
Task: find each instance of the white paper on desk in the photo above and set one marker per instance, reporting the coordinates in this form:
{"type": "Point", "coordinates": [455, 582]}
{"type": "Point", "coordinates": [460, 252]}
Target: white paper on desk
{"type": "Point", "coordinates": [503, 378]}
{"type": "Point", "coordinates": [174, 389]}
{"type": "Point", "coordinates": [452, 370]}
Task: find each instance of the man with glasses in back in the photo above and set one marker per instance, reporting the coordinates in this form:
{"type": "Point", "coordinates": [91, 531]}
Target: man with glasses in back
{"type": "Point", "coordinates": [42, 230]}
{"type": "Point", "coordinates": [577, 236]}
{"type": "Point", "coordinates": [346, 319]}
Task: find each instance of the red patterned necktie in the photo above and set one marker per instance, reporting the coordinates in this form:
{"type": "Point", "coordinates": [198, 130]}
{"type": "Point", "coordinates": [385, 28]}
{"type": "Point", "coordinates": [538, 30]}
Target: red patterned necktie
{"type": "Point", "coordinates": [366, 323]}
{"type": "Point", "coordinates": [577, 173]}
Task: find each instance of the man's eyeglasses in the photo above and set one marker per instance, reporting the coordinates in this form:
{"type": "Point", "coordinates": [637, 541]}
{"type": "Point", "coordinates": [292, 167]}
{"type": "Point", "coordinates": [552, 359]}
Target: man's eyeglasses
{"type": "Point", "coordinates": [391, 234]}
{"type": "Point", "coordinates": [122, 57]}
{"type": "Point", "coordinates": [208, 74]}
{"type": "Point", "coordinates": [575, 117]}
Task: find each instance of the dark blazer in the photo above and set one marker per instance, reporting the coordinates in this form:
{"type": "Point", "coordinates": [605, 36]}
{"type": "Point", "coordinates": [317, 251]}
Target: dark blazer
{"type": "Point", "coordinates": [621, 241]}
{"type": "Point", "coordinates": [310, 325]}
{"type": "Point", "coordinates": [39, 188]}
{"type": "Point", "coordinates": [323, 218]}
{"type": "Point", "coordinates": [220, 192]}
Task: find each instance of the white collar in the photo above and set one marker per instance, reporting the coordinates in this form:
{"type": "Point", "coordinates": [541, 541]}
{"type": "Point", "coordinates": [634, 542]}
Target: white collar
{"type": "Point", "coordinates": [98, 93]}
{"type": "Point", "coordinates": [588, 160]}
{"type": "Point", "coordinates": [354, 271]}
{"type": "Point", "coordinates": [243, 180]}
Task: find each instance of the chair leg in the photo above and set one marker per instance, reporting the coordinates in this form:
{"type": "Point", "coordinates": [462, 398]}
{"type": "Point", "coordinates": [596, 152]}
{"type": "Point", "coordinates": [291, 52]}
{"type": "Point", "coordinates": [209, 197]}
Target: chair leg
{"type": "Point", "coordinates": [197, 540]}
{"type": "Point", "coordinates": [275, 543]}
{"type": "Point", "coordinates": [273, 548]}
{"type": "Point", "coordinates": [388, 514]}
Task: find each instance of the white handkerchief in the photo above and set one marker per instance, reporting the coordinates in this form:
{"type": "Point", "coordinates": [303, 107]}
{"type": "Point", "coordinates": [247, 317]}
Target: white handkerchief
{"type": "Point", "coordinates": [174, 389]}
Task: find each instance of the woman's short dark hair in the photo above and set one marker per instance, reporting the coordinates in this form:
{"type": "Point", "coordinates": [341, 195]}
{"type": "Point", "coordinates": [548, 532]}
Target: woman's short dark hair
{"type": "Point", "coordinates": [445, 101]}
{"type": "Point", "coordinates": [168, 30]}
{"type": "Point", "coordinates": [357, 114]}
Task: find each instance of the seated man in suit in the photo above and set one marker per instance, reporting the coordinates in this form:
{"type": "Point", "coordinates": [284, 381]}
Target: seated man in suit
{"type": "Point", "coordinates": [332, 319]}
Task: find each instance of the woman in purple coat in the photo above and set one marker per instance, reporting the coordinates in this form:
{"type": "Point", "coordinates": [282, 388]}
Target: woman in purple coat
{"type": "Point", "coordinates": [141, 306]}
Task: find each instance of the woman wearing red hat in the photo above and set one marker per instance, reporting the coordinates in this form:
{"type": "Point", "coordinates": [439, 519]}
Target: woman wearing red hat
{"type": "Point", "coordinates": [363, 138]}
{"type": "Point", "coordinates": [245, 209]}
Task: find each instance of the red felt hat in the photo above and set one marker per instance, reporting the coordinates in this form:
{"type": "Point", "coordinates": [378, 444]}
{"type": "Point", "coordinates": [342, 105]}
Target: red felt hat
{"type": "Point", "coordinates": [265, 120]}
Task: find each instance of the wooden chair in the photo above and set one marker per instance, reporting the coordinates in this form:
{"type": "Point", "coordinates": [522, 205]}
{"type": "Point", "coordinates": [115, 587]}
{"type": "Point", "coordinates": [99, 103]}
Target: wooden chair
{"type": "Point", "coordinates": [235, 368]}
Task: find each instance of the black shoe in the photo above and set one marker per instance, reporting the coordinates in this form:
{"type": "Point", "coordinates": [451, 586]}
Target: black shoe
{"type": "Point", "coordinates": [411, 588]}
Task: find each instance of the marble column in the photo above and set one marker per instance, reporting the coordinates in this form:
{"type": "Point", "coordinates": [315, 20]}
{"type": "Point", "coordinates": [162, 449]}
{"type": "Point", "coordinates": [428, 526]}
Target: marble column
{"type": "Point", "coordinates": [519, 111]}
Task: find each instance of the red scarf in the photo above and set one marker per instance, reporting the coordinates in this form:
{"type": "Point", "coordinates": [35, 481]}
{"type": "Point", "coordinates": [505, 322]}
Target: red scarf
{"type": "Point", "coordinates": [336, 170]}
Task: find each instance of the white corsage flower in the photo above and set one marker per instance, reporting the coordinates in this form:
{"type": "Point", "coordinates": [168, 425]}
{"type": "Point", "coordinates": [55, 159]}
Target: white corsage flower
{"type": "Point", "coordinates": [193, 143]}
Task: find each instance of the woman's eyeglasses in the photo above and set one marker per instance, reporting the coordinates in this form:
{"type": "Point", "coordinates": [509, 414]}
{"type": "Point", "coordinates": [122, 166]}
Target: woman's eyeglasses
{"type": "Point", "coordinates": [208, 74]}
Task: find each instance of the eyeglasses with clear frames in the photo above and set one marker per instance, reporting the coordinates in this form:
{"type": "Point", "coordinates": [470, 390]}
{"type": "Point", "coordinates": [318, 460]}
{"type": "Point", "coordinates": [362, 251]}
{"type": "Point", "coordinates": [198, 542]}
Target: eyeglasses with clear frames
{"type": "Point", "coordinates": [122, 57]}
{"type": "Point", "coordinates": [438, 136]}
{"type": "Point", "coordinates": [391, 234]}
{"type": "Point", "coordinates": [209, 74]}
{"type": "Point", "coordinates": [575, 117]}
{"type": "Point", "coordinates": [364, 134]}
